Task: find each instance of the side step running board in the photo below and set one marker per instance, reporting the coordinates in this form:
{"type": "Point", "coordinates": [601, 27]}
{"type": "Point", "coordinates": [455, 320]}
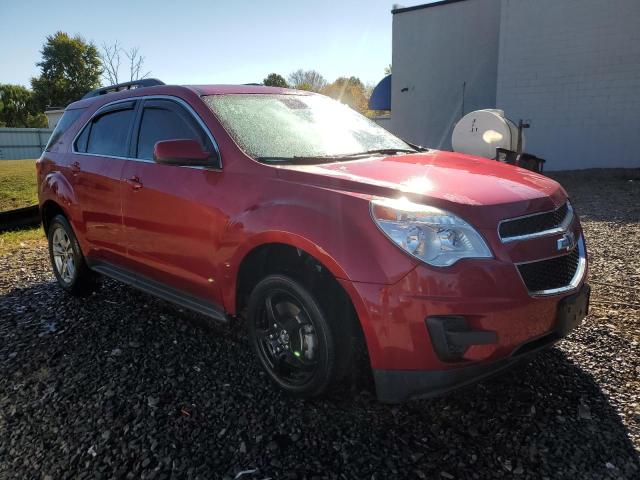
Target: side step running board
{"type": "Point", "coordinates": [162, 291]}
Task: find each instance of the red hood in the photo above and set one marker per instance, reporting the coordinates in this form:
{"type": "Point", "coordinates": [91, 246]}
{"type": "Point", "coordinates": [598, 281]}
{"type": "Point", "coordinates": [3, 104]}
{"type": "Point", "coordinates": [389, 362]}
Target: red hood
{"type": "Point", "coordinates": [484, 191]}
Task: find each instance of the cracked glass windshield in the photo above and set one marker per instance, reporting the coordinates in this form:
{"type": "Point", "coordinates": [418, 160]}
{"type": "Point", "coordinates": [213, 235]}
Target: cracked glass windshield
{"type": "Point", "coordinates": [295, 128]}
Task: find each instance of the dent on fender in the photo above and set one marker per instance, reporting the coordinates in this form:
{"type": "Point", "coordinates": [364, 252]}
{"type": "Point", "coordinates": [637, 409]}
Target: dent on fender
{"type": "Point", "coordinates": [56, 186]}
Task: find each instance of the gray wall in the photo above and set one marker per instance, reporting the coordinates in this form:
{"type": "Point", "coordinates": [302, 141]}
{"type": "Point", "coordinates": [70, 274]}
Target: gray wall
{"type": "Point", "coordinates": [573, 68]}
{"type": "Point", "coordinates": [19, 143]}
{"type": "Point", "coordinates": [435, 50]}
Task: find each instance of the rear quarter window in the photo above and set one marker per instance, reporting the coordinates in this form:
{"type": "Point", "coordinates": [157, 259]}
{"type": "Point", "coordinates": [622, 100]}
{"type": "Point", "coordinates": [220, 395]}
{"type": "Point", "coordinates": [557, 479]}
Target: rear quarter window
{"type": "Point", "coordinates": [68, 119]}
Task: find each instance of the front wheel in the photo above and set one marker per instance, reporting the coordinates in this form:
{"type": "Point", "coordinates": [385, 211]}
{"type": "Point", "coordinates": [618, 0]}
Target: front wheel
{"type": "Point", "coordinates": [293, 338]}
{"type": "Point", "coordinates": [68, 263]}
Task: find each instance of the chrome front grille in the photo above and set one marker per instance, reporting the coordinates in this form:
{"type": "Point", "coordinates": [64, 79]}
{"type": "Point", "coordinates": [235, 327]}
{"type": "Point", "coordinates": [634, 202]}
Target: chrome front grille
{"type": "Point", "coordinates": [536, 225]}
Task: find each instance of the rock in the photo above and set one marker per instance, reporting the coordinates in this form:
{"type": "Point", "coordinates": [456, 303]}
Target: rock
{"type": "Point", "coordinates": [82, 410]}
{"type": "Point", "coordinates": [584, 412]}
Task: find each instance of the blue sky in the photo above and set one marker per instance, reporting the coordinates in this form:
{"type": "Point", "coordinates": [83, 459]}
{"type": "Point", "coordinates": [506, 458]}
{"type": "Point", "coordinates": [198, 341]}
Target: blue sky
{"type": "Point", "coordinates": [197, 41]}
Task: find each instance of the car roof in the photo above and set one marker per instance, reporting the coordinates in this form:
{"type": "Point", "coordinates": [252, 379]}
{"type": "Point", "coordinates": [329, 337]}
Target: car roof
{"type": "Point", "coordinates": [199, 90]}
{"type": "Point", "coordinates": [236, 89]}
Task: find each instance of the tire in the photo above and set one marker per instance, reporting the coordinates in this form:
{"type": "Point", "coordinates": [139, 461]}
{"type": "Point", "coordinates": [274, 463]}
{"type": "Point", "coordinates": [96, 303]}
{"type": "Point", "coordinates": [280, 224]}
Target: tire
{"type": "Point", "coordinates": [289, 329]}
{"type": "Point", "coordinates": [67, 260]}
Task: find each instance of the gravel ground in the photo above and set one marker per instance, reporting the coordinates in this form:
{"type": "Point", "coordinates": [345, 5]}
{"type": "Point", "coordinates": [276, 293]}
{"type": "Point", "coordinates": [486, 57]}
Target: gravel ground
{"type": "Point", "coordinates": [125, 386]}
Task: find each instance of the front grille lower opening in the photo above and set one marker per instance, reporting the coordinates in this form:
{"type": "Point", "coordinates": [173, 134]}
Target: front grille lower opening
{"type": "Point", "coordinates": [550, 274]}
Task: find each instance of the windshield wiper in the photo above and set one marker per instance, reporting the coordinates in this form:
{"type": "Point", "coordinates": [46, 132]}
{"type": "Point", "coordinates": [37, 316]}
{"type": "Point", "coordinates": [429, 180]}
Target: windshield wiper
{"type": "Point", "coordinates": [342, 156]}
{"type": "Point", "coordinates": [383, 151]}
{"type": "Point", "coordinates": [335, 157]}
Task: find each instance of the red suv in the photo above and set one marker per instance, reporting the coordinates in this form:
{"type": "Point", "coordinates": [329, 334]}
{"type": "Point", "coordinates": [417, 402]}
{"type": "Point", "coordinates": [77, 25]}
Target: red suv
{"type": "Point", "coordinates": [320, 229]}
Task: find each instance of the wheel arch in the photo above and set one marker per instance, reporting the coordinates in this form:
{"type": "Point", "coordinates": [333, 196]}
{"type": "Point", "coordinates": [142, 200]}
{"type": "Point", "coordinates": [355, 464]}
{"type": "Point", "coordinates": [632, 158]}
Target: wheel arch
{"type": "Point", "coordinates": [57, 196]}
{"type": "Point", "coordinates": [55, 189]}
{"type": "Point", "coordinates": [298, 263]}
{"type": "Point", "coordinates": [48, 210]}
{"type": "Point", "coordinates": [286, 244]}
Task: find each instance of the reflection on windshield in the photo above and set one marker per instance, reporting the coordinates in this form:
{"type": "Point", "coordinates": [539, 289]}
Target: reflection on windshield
{"type": "Point", "coordinates": [281, 127]}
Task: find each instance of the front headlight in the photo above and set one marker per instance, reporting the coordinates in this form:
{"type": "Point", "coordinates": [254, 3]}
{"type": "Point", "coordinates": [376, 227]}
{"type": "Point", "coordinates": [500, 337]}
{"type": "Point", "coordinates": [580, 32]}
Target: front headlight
{"type": "Point", "coordinates": [434, 236]}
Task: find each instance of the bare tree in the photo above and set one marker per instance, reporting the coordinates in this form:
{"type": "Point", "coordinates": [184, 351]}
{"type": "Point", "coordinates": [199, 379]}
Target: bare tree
{"type": "Point", "coordinates": [309, 77]}
{"type": "Point", "coordinates": [136, 62]}
{"type": "Point", "coordinates": [110, 57]}
{"type": "Point", "coordinates": [111, 60]}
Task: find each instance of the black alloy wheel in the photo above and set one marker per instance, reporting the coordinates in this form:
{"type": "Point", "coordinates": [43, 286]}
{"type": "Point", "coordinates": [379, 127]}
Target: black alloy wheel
{"type": "Point", "coordinates": [291, 336]}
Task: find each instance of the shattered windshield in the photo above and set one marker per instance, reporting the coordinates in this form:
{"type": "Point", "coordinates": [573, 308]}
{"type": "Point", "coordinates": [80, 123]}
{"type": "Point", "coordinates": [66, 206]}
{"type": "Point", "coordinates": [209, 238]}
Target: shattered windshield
{"type": "Point", "coordinates": [285, 128]}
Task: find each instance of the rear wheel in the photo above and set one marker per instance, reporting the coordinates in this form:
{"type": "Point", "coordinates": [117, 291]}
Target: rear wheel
{"type": "Point", "coordinates": [293, 338]}
{"type": "Point", "coordinates": [67, 260]}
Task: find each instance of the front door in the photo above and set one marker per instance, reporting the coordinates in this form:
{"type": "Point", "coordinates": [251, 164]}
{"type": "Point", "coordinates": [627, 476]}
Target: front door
{"type": "Point", "coordinates": [171, 222]}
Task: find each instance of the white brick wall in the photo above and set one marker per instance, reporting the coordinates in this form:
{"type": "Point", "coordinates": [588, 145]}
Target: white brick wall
{"type": "Point", "coordinates": [573, 68]}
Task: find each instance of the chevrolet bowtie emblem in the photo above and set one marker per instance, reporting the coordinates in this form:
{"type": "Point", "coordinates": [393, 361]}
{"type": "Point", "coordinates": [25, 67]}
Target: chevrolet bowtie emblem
{"type": "Point", "coordinates": [567, 242]}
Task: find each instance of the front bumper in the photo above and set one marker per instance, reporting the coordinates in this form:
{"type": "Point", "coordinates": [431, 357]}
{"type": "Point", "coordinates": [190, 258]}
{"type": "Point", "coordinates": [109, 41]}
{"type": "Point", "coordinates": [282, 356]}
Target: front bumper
{"type": "Point", "coordinates": [489, 295]}
{"type": "Point", "coordinates": [395, 386]}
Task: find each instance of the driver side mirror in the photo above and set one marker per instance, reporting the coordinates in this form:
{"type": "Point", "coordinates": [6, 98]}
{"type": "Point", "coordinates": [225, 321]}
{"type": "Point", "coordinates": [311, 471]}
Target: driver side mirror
{"type": "Point", "coordinates": [188, 153]}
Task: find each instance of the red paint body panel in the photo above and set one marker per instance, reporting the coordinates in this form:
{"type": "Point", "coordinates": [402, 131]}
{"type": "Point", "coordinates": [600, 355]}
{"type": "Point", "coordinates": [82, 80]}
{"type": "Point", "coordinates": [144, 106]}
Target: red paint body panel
{"type": "Point", "coordinates": [191, 228]}
{"type": "Point", "coordinates": [98, 187]}
{"type": "Point", "coordinates": [174, 225]}
{"type": "Point", "coordinates": [480, 190]}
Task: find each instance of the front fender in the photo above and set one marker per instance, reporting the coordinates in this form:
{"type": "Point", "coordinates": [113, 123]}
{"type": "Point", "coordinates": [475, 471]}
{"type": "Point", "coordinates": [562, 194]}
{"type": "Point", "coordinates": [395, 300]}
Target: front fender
{"type": "Point", "coordinates": [336, 229]}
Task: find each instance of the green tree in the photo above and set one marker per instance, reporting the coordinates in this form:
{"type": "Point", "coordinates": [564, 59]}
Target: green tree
{"type": "Point", "coordinates": [70, 67]}
{"type": "Point", "coordinates": [275, 80]}
{"type": "Point", "coordinates": [305, 86]}
{"type": "Point", "coordinates": [37, 120]}
{"type": "Point", "coordinates": [350, 91]}
{"type": "Point", "coordinates": [17, 108]}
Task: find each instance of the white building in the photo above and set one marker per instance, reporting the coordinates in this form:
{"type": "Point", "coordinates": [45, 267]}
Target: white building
{"type": "Point", "coordinates": [54, 116]}
{"type": "Point", "coordinates": [570, 67]}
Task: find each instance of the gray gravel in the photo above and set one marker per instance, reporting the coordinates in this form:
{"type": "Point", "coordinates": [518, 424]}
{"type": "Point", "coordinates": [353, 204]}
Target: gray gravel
{"type": "Point", "coordinates": [125, 386]}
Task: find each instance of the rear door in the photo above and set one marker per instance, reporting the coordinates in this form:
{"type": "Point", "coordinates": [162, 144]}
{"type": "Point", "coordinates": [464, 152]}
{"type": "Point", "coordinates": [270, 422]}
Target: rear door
{"type": "Point", "coordinates": [100, 152]}
{"type": "Point", "coordinates": [170, 213]}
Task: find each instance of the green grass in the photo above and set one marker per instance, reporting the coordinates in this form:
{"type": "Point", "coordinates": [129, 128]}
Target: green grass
{"type": "Point", "coordinates": [17, 239]}
{"type": "Point", "coordinates": [17, 184]}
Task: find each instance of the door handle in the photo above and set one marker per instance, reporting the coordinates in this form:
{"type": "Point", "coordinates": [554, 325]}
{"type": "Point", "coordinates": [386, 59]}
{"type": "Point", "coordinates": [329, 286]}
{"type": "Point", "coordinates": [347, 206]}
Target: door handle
{"type": "Point", "coordinates": [135, 182]}
{"type": "Point", "coordinates": [75, 167]}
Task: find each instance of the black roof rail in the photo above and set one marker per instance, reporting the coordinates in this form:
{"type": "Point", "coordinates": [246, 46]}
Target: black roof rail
{"type": "Point", "coordinates": [145, 82]}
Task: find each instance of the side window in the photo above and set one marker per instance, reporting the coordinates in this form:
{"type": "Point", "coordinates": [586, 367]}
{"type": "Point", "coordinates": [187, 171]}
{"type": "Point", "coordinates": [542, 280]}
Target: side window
{"type": "Point", "coordinates": [109, 133]}
{"type": "Point", "coordinates": [165, 120]}
{"type": "Point", "coordinates": [68, 118]}
{"type": "Point", "coordinates": [81, 142]}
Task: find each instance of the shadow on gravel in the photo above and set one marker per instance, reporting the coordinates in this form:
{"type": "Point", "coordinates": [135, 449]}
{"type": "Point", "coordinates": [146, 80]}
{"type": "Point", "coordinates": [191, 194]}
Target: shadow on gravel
{"type": "Point", "coordinates": [122, 384]}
